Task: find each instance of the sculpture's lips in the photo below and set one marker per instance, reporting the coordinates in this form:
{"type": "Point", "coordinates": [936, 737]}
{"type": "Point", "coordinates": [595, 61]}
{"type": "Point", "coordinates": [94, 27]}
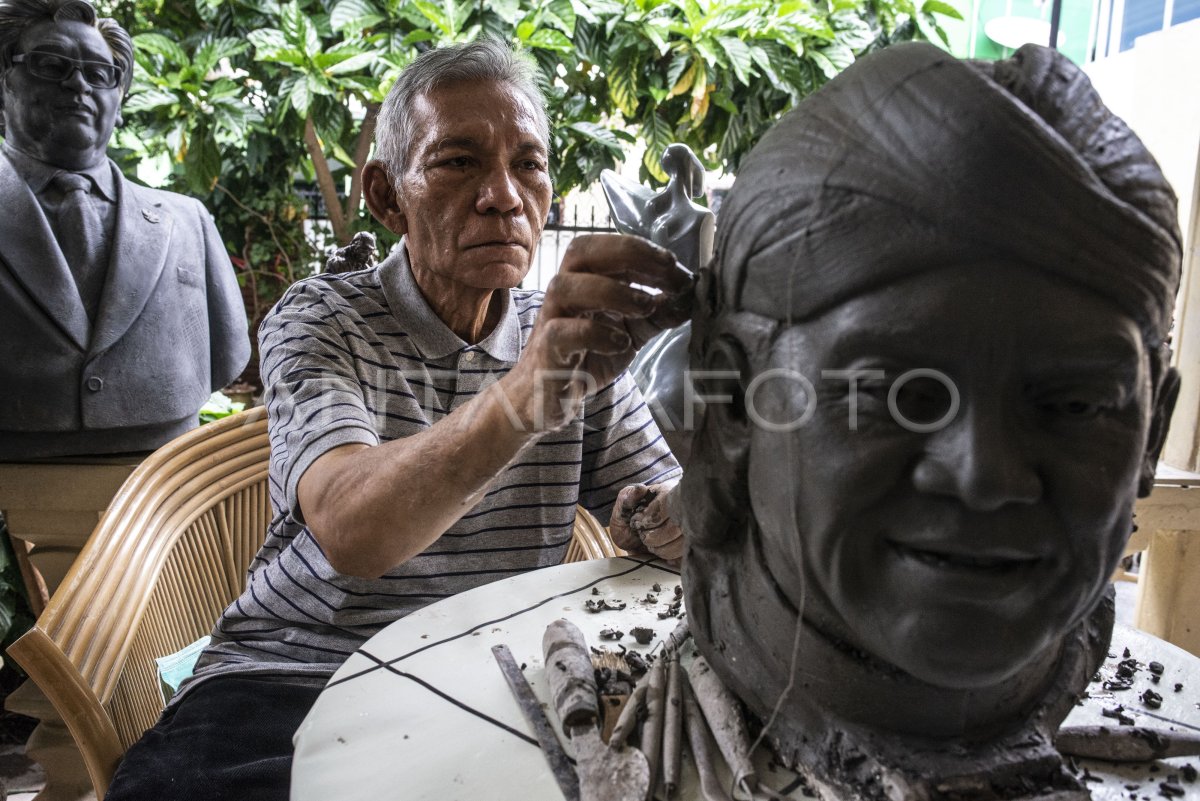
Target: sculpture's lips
{"type": "Point", "coordinates": [984, 561]}
{"type": "Point", "coordinates": [77, 110]}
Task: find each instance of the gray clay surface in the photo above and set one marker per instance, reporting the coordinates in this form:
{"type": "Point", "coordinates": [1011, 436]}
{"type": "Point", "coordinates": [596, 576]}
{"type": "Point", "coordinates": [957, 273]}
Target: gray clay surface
{"type": "Point", "coordinates": [929, 558]}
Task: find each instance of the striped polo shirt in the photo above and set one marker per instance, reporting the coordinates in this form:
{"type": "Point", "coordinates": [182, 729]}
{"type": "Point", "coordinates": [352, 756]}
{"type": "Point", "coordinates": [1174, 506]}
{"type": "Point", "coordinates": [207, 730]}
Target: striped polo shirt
{"type": "Point", "coordinates": [362, 357]}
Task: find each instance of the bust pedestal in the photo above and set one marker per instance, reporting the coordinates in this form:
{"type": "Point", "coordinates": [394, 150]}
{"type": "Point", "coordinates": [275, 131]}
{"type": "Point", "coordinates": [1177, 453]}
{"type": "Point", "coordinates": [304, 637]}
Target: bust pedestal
{"type": "Point", "coordinates": [51, 508]}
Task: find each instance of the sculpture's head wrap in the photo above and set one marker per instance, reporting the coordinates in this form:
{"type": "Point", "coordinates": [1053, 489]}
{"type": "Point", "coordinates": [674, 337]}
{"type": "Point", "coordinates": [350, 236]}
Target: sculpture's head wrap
{"type": "Point", "coordinates": [913, 160]}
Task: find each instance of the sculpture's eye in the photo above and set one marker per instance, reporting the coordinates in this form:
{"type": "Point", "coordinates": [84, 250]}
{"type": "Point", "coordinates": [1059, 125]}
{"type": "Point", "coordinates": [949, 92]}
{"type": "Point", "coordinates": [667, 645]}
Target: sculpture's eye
{"type": "Point", "coordinates": [1073, 409]}
{"type": "Point", "coordinates": [97, 74]}
{"type": "Point", "coordinates": [1081, 400]}
{"type": "Point", "coordinates": [923, 400]}
{"type": "Point", "coordinates": [49, 65]}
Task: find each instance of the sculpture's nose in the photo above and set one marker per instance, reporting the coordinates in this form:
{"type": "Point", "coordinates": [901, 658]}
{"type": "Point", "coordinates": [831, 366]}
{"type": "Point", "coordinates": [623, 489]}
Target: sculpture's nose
{"type": "Point", "coordinates": [75, 82]}
{"type": "Point", "coordinates": [980, 459]}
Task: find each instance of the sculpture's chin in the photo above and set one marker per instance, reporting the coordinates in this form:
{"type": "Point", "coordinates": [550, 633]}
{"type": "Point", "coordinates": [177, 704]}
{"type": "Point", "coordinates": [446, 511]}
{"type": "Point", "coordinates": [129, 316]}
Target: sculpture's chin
{"type": "Point", "coordinates": [939, 672]}
{"type": "Point", "coordinates": [974, 647]}
{"type": "Point", "coordinates": [967, 654]}
{"type": "Point", "coordinates": [964, 669]}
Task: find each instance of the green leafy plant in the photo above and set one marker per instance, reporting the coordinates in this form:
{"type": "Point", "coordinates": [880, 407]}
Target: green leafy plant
{"type": "Point", "coordinates": [15, 615]}
{"type": "Point", "coordinates": [252, 100]}
{"type": "Point", "coordinates": [318, 84]}
{"type": "Point", "coordinates": [712, 73]}
{"type": "Point", "coordinates": [185, 107]}
{"type": "Point", "coordinates": [218, 406]}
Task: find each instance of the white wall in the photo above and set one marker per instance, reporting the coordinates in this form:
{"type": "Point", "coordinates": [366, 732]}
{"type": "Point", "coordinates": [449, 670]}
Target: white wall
{"type": "Point", "coordinates": [1155, 88]}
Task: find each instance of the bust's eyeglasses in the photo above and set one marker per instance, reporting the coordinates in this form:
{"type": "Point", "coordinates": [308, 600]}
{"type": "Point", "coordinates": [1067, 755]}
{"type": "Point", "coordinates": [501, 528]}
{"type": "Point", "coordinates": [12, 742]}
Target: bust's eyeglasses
{"type": "Point", "coordinates": [57, 67]}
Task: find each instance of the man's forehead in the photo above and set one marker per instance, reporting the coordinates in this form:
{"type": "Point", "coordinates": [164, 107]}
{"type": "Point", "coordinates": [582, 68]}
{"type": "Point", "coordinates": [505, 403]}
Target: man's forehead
{"type": "Point", "coordinates": [454, 117]}
{"type": "Point", "coordinates": [66, 36]}
{"type": "Point", "coordinates": [531, 145]}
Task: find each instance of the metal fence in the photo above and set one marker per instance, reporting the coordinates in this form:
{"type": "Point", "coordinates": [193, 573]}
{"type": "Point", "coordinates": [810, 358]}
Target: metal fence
{"type": "Point", "coordinates": [564, 223]}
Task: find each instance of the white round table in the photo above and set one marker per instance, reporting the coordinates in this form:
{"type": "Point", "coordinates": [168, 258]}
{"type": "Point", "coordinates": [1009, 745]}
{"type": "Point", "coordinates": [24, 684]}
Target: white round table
{"type": "Point", "coordinates": [422, 711]}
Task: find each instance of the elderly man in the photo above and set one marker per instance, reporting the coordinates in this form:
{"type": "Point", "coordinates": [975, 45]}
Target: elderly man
{"type": "Point", "coordinates": [121, 312]}
{"type": "Point", "coordinates": [944, 289]}
{"type": "Point", "coordinates": [432, 427]}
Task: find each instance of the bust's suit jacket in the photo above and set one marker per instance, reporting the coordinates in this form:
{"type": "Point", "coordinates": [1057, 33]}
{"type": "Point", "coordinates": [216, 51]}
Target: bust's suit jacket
{"type": "Point", "coordinates": [171, 326]}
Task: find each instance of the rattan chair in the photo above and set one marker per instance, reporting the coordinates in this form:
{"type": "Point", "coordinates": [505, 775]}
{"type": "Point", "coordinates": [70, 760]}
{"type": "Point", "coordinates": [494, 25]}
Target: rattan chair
{"type": "Point", "coordinates": [168, 556]}
{"type": "Point", "coordinates": [590, 540]}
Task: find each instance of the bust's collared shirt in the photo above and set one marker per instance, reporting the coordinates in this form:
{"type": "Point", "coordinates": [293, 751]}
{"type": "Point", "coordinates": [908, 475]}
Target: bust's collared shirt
{"type": "Point", "coordinates": [40, 176]}
{"type": "Point", "coordinates": [103, 193]}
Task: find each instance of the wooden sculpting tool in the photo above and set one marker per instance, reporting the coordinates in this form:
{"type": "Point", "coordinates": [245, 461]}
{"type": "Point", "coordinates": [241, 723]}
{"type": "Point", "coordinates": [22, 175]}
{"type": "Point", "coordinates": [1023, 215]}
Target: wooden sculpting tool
{"type": "Point", "coordinates": [605, 774]}
{"type": "Point", "coordinates": [615, 694]}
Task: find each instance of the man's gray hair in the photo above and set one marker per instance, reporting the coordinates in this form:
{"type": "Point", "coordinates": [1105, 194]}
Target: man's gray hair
{"type": "Point", "coordinates": [484, 60]}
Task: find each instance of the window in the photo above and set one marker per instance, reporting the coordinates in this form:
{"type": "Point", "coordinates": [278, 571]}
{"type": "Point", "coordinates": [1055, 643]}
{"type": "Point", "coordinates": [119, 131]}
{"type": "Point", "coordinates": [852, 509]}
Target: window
{"type": "Point", "coordinates": [1140, 18]}
{"type": "Point", "coordinates": [1185, 10]}
{"type": "Point", "coordinates": [1118, 23]}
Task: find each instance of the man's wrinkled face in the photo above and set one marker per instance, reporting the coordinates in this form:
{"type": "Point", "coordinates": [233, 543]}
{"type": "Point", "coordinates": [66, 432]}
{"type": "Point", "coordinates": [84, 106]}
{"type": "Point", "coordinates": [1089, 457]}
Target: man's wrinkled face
{"type": "Point", "coordinates": [66, 123]}
{"type": "Point", "coordinates": [474, 196]}
{"type": "Point", "coordinates": [961, 552]}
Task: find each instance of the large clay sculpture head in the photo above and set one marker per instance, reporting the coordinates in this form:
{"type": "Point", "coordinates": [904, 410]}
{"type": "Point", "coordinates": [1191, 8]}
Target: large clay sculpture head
{"type": "Point", "coordinates": [938, 308]}
{"type": "Point", "coordinates": [63, 74]}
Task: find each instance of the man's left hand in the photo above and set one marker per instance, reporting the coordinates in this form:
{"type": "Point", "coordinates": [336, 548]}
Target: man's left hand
{"type": "Point", "coordinates": [641, 522]}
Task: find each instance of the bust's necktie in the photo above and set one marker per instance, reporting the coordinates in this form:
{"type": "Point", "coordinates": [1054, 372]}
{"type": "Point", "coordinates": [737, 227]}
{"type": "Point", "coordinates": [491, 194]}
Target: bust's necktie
{"type": "Point", "coordinates": [82, 233]}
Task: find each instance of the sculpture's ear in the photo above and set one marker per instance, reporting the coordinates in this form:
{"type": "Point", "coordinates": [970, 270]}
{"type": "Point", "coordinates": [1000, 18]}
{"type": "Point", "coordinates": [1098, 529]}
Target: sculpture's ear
{"type": "Point", "coordinates": [383, 201]}
{"type": "Point", "coordinates": [715, 495]}
{"type": "Point", "coordinates": [1165, 380]}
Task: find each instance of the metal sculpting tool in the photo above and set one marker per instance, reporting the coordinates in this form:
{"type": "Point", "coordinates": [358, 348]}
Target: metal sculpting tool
{"type": "Point", "coordinates": [560, 764]}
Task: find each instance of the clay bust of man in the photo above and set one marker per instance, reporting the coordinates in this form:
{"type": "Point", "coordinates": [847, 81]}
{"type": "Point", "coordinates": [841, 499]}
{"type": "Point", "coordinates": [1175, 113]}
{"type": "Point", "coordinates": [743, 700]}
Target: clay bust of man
{"type": "Point", "coordinates": [121, 308]}
{"type": "Point", "coordinates": [944, 290]}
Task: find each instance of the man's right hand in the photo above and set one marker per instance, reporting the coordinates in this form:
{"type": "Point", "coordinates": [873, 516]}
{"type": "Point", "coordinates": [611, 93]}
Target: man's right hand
{"type": "Point", "coordinates": [592, 322]}
{"type": "Point", "coordinates": [641, 521]}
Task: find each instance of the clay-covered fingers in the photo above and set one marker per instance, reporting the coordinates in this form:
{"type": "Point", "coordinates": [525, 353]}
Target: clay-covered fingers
{"type": "Point", "coordinates": [620, 526]}
{"type": "Point", "coordinates": [611, 253]}
{"type": "Point", "coordinates": [641, 522]}
{"type": "Point", "coordinates": [628, 258]}
{"type": "Point", "coordinates": [653, 524]}
{"type": "Point", "coordinates": [665, 542]}
{"type": "Point", "coordinates": [625, 539]}
{"type": "Point", "coordinates": [624, 278]}
{"type": "Point", "coordinates": [629, 500]}
{"type": "Point", "coordinates": [568, 340]}
{"type": "Point", "coordinates": [587, 294]}
{"type": "Point", "coordinates": [654, 513]}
